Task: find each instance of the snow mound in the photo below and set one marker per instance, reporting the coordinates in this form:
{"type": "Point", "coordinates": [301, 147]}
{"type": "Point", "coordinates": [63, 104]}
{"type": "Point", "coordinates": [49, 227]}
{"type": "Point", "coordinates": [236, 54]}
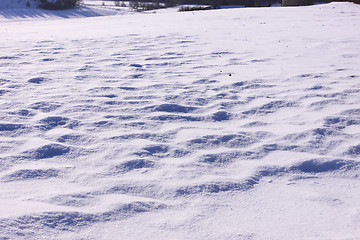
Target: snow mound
{"type": "Point", "coordinates": [28, 9]}
{"type": "Point", "coordinates": [32, 14]}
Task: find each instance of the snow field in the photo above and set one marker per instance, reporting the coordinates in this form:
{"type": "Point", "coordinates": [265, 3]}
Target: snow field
{"type": "Point", "coordinates": [229, 124]}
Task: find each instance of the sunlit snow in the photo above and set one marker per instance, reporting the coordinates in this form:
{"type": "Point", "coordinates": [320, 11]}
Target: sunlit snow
{"type": "Point", "coordinates": [220, 124]}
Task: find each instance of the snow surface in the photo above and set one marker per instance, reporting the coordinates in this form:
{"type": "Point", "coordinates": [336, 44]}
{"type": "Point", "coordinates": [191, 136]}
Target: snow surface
{"type": "Point", "coordinates": [223, 124]}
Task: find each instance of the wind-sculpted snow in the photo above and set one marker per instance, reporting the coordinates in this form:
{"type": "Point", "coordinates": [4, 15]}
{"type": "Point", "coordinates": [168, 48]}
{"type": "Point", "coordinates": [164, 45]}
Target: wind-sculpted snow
{"type": "Point", "coordinates": [28, 174]}
{"type": "Point", "coordinates": [29, 225]}
{"type": "Point", "coordinates": [226, 124]}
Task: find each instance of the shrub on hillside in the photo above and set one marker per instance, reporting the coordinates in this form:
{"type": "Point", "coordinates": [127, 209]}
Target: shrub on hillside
{"type": "Point", "coordinates": [145, 6]}
{"type": "Point", "coordinates": [193, 8]}
{"type": "Point", "coordinates": [59, 4]}
{"type": "Point", "coordinates": [117, 3]}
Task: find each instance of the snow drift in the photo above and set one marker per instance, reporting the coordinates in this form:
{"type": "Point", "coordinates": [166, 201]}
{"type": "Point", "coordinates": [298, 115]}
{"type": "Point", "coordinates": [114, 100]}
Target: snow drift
{"type": "Point", "coordinates": [226, 124]}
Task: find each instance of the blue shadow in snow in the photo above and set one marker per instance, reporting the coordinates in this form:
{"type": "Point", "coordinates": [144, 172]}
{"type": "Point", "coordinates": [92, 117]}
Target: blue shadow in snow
{"type": "Point", "coordinates": [25, 13]}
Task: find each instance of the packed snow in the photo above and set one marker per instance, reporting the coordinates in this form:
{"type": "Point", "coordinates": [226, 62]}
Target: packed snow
{"type": "Point", "coordinates": [220, 124]}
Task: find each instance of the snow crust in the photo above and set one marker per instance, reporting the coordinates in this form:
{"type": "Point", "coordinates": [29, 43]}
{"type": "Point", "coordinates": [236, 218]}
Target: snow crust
{"type": "Point", "coordinates": [222, 124]}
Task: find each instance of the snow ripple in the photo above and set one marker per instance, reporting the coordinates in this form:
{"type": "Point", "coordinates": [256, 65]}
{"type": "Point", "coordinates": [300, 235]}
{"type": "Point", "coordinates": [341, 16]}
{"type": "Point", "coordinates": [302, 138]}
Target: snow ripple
{"type": "Point", "coordinates": [98, 130]}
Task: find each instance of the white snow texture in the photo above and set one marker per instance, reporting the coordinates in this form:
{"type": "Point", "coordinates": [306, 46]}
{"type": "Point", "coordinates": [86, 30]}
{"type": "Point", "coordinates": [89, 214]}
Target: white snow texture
{"type": "Point", "coordinates": [221, 124]}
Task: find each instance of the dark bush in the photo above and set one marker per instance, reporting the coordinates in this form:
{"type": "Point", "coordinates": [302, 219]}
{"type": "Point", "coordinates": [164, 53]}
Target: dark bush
{"type": "Point", "coordinates": [172, 3]}
{"type": "Point", "coordinates": [134, 4]}
{"type": "Point", "coordinates": [193, 8]}
{"type": "Point", "coordinates": [59, 4]}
